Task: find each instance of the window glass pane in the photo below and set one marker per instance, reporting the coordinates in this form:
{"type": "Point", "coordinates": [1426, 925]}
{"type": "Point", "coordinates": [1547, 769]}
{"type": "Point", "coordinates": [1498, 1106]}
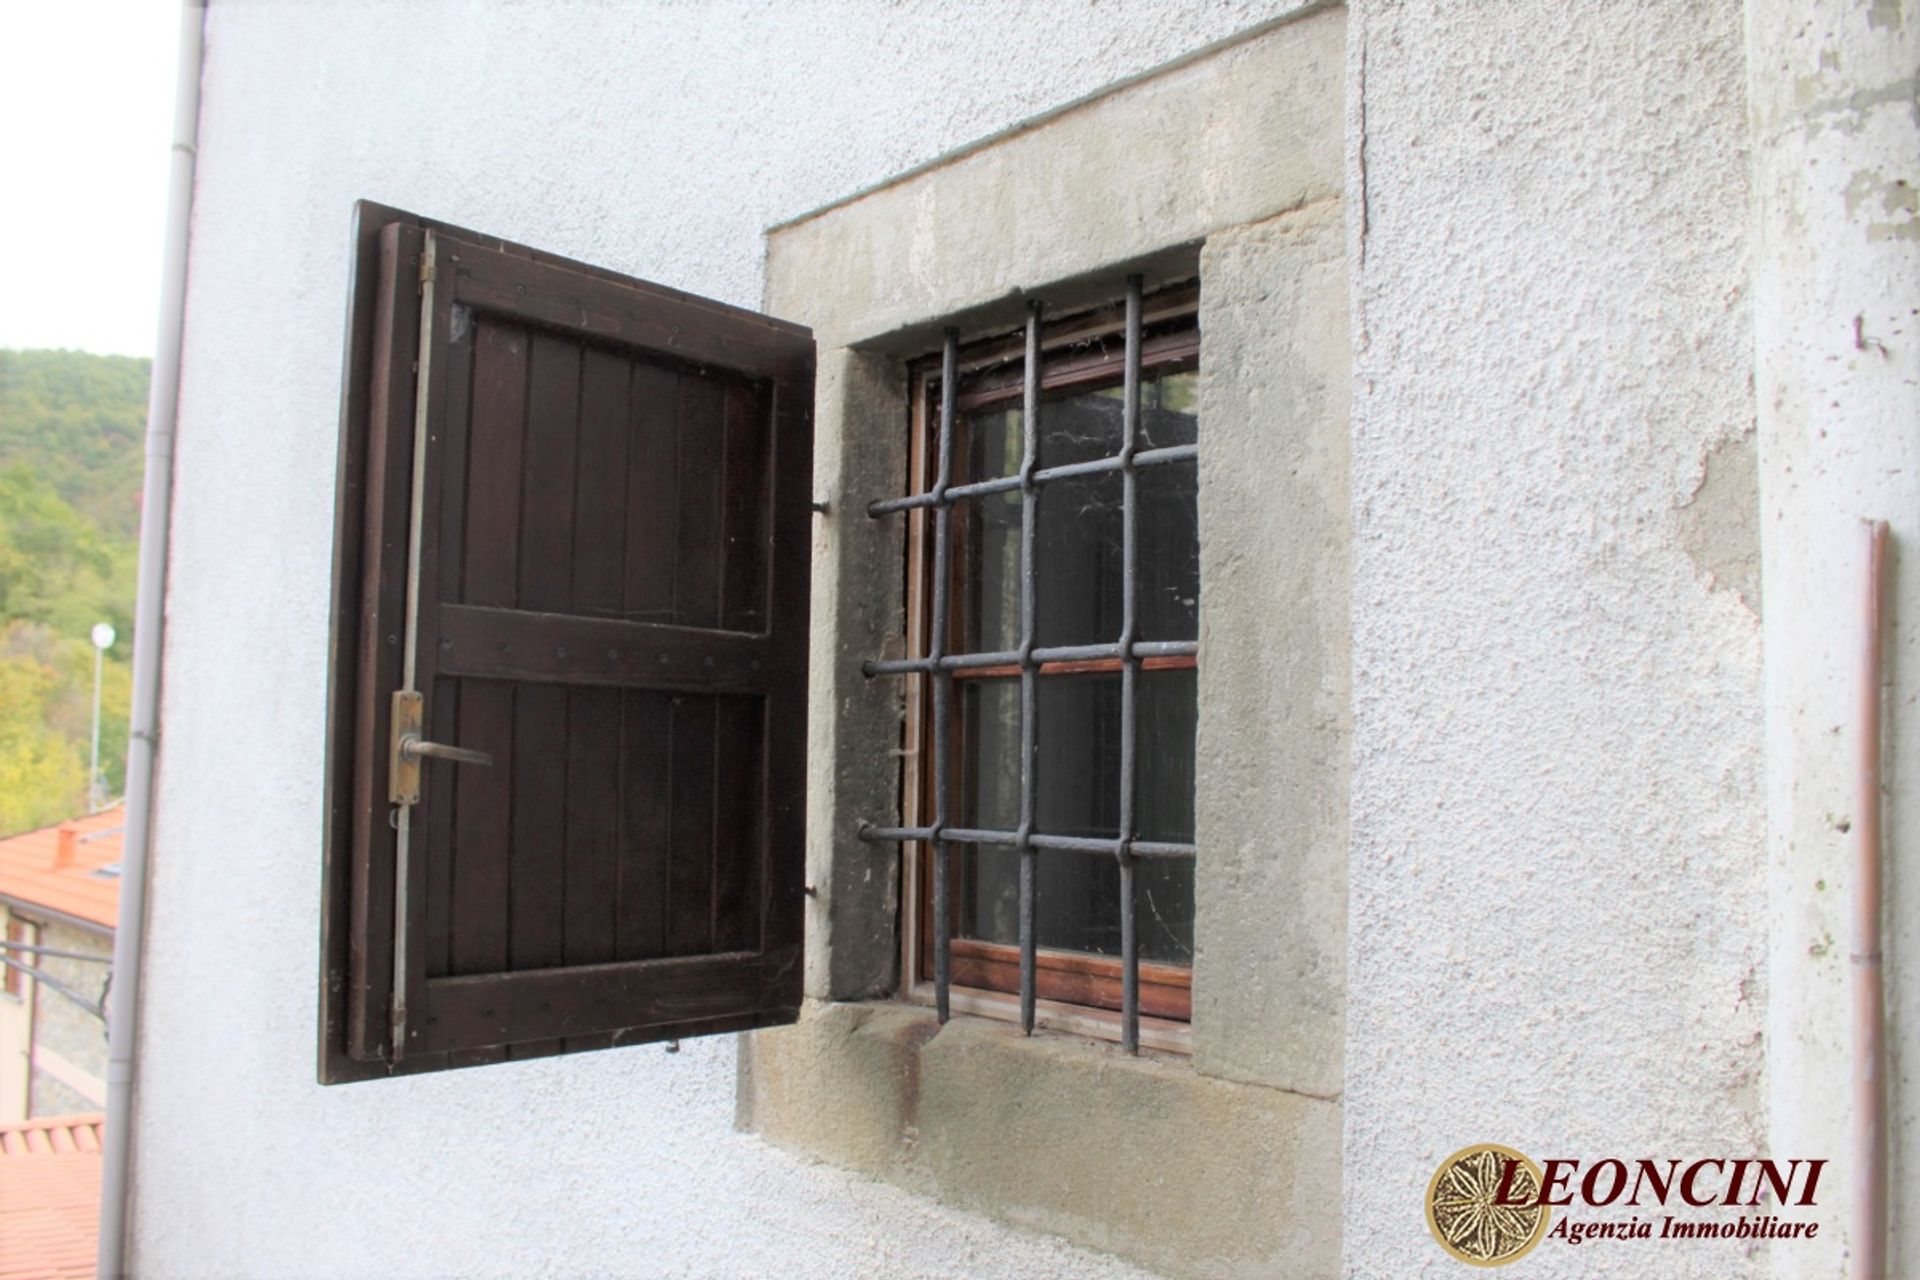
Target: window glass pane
{"type": "Point", "coordinates": [1077, 765]}
{"type": "Point", "coordinates": [1077, 793]}
{"type": "Point", "coordinates": [1164, 760]}
{"type": "Point", "coordinates": [989, 890]}
{"type": "Point", "coordinates": [989, 585]}
{"type": "Point", "coordinates": [1081, 426]}
{"type": "Point", "coordinates": [1168, 576]}
{"type": "Point", "coordinates": [1076, 904]}
{"type": "Point", "coordinates": [1077, 561]}
{"type": "Point", "coordinates": [989, 759]}
{"type": "Point", "coordinates": [1169, 409]}
{"type": "Point", "coordinates": [994, 441]}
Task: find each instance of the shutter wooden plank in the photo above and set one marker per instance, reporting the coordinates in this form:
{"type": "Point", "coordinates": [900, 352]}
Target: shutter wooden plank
{"type": "Point", "coordinates": [492, 533]}
{"type": "Point", "coordinates": [737, 822]}
{"type": "Point", "coordinates": [440, 783]}
{"type": "Point", "coordinates": [481, 851]}
{"type": "Point", "coordinates": [646, 750]}
{"type": "Point", "coordinates": [536, 901]}
{"type": "Point", "coordinates": [547, 470]}
{"type": "Point", "coordinates": [702, 431]}
{"type": "Point", "coordinates": [536, 891]}
{"type": "Point", "coordinates": [691, 797]}
{"type": "Point", "coordinates": [593, 851]}
{"type": "Point", "coordinates": [652, 493]}
{"type": "Point", "coordinates": [743, 588]}
{"type": "Point", "coordinates": [593, 843]}
{"type": "Point", "coordinates": [652, 524]}
{"type": "Point", "coordinates": [482, 817]}
{"type": "Point", "coordinates": [442, 569]}
{"type": "Point", "coordinates": [599, 547]}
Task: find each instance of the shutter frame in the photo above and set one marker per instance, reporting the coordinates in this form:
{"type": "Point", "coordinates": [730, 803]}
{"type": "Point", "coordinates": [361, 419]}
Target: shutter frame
{"type": "Point", "coordinates": [566, 1007]}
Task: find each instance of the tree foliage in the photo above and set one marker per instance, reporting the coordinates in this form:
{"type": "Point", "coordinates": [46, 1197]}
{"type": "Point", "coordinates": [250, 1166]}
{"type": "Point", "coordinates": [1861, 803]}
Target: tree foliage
{"type": "Point", "coordinates": [70, 473]}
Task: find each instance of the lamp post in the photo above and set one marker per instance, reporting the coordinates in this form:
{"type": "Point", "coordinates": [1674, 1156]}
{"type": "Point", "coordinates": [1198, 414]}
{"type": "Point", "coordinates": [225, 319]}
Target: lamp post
{"type": "Point", "coordinates": [103, 637]}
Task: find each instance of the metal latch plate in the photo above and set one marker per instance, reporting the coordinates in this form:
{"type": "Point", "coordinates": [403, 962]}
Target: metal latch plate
{"type": "Point", "coordinates": [403, 767]}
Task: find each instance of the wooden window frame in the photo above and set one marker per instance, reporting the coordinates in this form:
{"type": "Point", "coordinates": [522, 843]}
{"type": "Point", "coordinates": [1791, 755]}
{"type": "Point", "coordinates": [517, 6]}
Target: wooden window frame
{"type": "Point", "coordinates": [1076, 991]}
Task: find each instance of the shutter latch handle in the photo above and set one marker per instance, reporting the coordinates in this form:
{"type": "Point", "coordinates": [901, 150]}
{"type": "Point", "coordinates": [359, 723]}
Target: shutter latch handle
{"type": "Point", "coordinates": [409, 748]}
{"type": "Point", "coordinates": [412, 747]}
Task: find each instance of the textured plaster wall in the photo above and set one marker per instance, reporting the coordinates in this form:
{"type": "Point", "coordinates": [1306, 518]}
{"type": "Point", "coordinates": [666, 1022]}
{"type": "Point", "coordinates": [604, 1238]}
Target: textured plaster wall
{"type": "Point", "coordinates": [656, 139]}
{"type": "Point", "coordinates": [1557, 893]}
{"type": "Point", "coordinates": [1836, 145]}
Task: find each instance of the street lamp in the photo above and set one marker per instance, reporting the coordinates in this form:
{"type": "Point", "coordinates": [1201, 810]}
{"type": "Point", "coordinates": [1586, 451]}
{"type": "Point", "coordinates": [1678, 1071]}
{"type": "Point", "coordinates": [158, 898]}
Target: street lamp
{"type": "Point", "coordinates": [103, 637]}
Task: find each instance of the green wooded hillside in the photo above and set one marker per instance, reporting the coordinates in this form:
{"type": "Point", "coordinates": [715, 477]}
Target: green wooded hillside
{"type": "Point", "coordinates": [70, 473]}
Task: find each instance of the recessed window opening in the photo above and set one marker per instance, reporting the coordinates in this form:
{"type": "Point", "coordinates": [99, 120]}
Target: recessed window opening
{"type": "Point", "coordinates": [1053, 604]}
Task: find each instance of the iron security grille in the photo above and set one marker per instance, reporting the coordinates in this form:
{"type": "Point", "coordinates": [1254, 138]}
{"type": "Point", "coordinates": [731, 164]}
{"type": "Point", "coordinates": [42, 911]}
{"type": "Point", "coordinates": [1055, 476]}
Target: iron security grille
{"type": "Point", "coordinates": [939, 665]}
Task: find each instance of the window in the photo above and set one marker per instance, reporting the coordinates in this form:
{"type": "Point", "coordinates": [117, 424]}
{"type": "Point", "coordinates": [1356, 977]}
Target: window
{"type": "Point", "coordinates": [568, 700]}
{"type": "Point", "coordinates": [26, 935]}
{"type": "Point", "coordinates": [1053, 596]}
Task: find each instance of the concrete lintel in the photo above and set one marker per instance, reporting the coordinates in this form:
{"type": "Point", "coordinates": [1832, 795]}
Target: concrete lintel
{"type": "Point", "coordinates": [1233, 137]}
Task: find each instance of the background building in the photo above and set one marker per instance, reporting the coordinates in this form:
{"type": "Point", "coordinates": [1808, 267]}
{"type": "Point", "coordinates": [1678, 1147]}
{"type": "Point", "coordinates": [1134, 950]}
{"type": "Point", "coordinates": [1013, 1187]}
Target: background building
{"type": "Point", "coordinates": [59, 889]}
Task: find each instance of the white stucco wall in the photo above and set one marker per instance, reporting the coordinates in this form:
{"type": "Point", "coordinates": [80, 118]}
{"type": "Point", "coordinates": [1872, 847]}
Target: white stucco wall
{"type": "Point", "coordinates": [1836, 139]}
{"type": "Point", "coordinates": [655, 139]}
{"type": "Point", "coordinates": [1556, 877]}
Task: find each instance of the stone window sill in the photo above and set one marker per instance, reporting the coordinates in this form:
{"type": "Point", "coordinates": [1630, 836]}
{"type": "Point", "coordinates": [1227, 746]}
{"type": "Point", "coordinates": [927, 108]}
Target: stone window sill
{"type": "Point", "coordinates": [1143, 1157]}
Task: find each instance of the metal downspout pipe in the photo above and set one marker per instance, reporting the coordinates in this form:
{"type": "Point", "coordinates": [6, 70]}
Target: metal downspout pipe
{"type": "Point", "coordinates": [143, 738]}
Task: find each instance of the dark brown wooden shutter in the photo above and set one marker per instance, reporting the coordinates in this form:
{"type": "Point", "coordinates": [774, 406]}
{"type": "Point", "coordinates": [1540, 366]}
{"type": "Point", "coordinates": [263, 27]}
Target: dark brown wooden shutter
{"type": "Point", "coordinates": [604, 489]}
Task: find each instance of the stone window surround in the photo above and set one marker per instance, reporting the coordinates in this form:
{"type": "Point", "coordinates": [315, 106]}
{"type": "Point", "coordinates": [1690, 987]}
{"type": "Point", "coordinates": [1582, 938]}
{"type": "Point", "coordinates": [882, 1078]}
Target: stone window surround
{"type": "Point", "coordinates": [1229, 166]}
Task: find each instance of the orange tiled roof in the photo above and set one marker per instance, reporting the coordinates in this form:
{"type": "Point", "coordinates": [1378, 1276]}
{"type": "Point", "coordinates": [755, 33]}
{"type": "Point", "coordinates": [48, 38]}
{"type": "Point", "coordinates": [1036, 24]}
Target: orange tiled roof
{"type": "Point", "coordinates": [49, 1198]}
{"type": "Point", "coordinates": [56, 867]}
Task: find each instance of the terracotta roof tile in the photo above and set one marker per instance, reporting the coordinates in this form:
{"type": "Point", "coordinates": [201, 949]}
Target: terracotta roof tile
{"type": "Point", "coordinates": [59, 867]}
{"type": "Point", "coordinates": [49, 1198]}
{"type": "Point", "coordinates": [52, 1136]}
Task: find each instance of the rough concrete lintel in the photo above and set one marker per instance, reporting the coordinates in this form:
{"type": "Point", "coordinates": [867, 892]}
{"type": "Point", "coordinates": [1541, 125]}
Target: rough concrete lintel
{"type": "Point", "coordinates": [1230, 138]}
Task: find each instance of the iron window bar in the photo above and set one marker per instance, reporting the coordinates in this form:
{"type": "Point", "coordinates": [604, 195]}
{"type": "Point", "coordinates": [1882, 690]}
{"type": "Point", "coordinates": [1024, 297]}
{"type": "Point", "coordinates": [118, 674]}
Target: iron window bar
{"type": "Point", "coordinates": [940, 666]}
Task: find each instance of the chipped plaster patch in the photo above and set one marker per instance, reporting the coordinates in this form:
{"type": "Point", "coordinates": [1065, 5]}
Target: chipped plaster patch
{"type": "Point", "coordinates": [1719, 521]}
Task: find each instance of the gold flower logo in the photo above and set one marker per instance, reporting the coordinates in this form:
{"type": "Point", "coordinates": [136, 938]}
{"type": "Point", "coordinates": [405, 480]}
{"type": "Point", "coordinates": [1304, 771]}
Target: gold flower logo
{"type": "Point", "coordinates": [1466, 1212]}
